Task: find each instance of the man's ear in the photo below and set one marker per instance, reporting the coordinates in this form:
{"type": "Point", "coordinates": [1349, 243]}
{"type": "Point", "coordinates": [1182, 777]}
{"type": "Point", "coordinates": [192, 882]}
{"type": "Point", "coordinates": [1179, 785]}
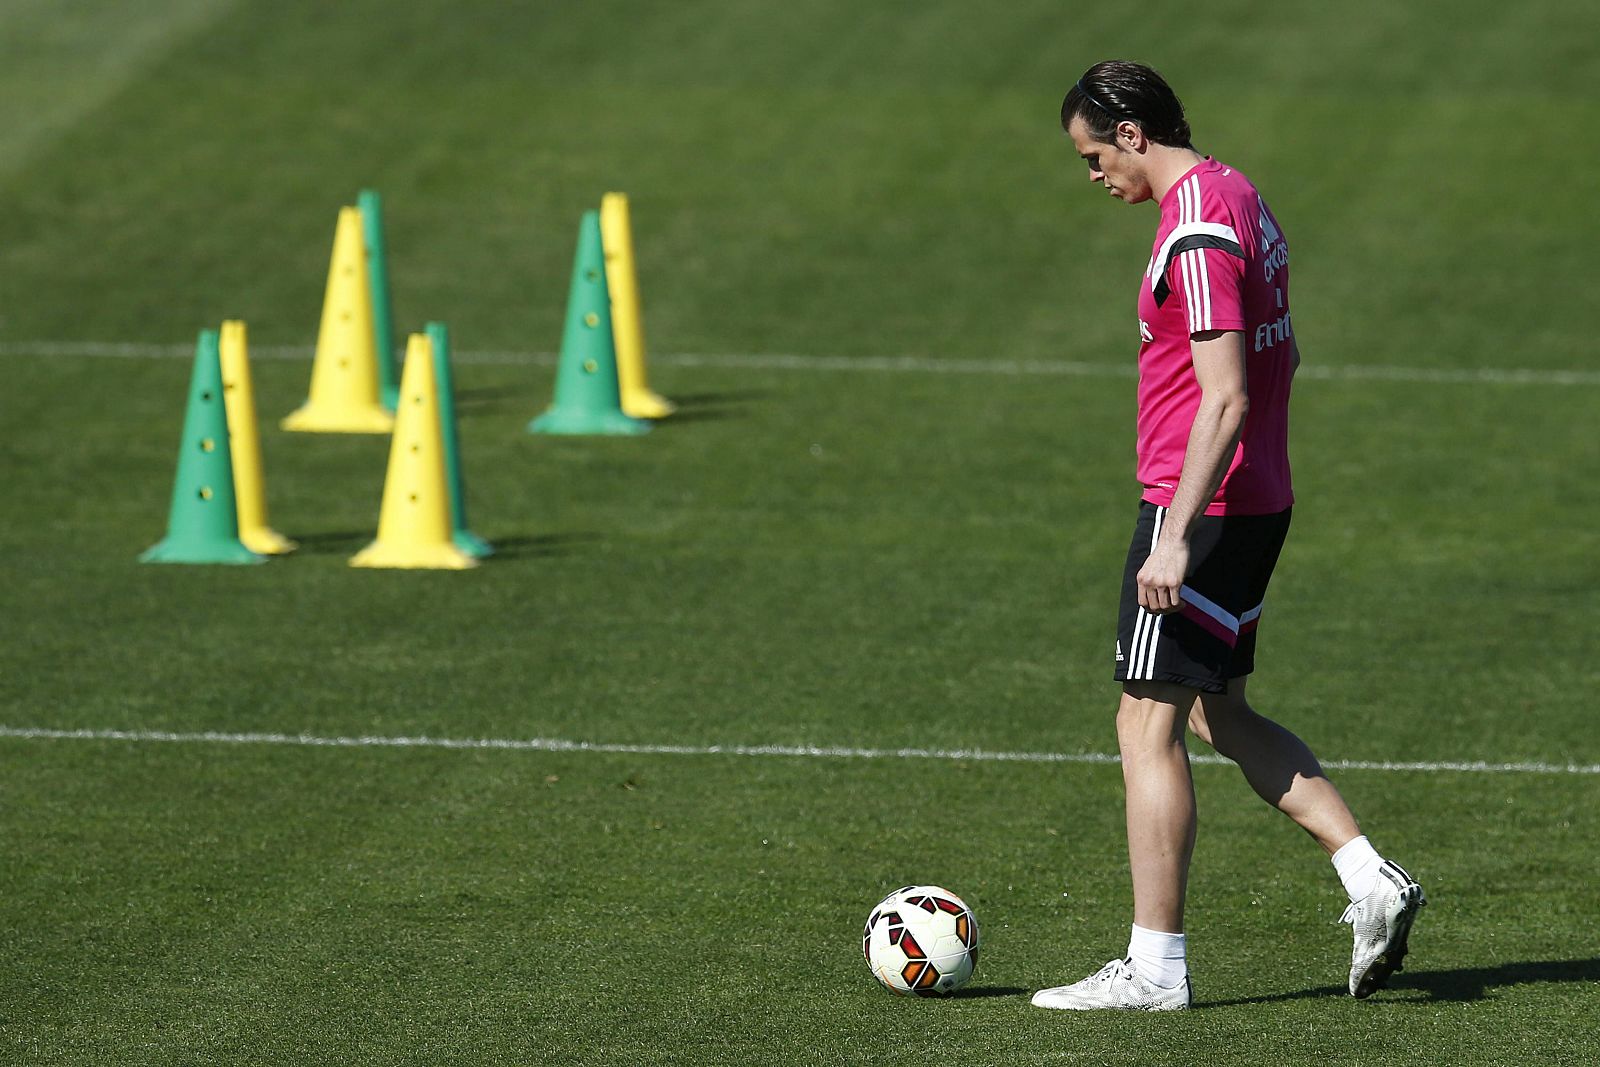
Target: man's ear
{"type": "Point", "coordinates": [1130, 136]}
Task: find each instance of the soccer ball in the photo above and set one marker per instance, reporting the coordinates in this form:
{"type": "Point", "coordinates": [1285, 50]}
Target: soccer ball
{"type": "Point", "coordinates": [921, 941]}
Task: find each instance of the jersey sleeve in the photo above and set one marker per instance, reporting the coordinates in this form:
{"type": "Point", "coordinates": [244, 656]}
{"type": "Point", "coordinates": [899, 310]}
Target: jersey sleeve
{"type": "Point", "coordinates": [1201, 265]}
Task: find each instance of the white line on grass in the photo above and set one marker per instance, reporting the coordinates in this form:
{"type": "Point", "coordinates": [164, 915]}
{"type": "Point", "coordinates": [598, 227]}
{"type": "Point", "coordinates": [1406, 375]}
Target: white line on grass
{"type": "Point", "coordinates": [551, 744]}
{"type": "Point", "coordinates": [873, 364]}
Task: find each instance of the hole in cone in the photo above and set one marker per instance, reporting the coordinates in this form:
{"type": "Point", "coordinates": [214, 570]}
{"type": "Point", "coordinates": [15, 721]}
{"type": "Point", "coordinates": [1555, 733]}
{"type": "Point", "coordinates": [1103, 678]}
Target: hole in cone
{"type": "Point", "coordinates": [205, 492]}
{"type": "Point", "coordinates": [206, 395]}
{"type": "Point", "coordinates": [208, 445]}
{"type": "Point", "coordinates": [590, 366]}
{"type": "Point", "coordinates": [591, 319]}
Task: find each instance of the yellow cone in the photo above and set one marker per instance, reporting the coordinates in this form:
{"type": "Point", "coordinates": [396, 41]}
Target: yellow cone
{"type": "Point", "coordinates": [616, 236]}
{"type": "Point", "coordinates": [414, 527]}
{"type": "Point", "coordinates": [344, 377]}
{"type": "Point", "coordinates": [244, 438]}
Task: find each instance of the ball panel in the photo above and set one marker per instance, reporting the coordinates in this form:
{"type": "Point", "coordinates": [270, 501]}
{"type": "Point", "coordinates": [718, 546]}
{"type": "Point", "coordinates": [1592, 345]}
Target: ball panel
{"type": "Point", "coordinates": [909, 946]}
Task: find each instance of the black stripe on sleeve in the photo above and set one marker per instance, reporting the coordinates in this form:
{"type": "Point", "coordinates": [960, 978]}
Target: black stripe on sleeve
{"type": "Point", "coordinates": [1161, 290]}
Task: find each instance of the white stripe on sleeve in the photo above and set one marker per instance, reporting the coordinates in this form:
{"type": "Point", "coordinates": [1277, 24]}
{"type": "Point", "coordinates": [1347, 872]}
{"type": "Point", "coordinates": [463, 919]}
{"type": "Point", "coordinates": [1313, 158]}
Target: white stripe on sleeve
{"type": "Point", "coordinates": [1192, 264]}
{"type": "Point", "coordinates": [1202, 309]}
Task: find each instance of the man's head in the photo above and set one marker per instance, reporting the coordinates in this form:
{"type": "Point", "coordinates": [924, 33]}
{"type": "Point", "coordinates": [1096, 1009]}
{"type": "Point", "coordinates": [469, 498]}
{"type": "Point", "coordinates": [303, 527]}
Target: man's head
{"type": "Point", "coordinates": [1120, 115]}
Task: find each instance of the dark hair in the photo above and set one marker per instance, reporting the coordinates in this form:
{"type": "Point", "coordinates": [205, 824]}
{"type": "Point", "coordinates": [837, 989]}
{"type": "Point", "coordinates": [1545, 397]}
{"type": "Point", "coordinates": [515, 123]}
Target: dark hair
{"type": "Point", "coordinates": [1117, 91]}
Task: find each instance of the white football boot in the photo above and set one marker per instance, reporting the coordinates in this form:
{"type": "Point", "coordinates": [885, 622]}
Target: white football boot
{"type": "Point", "coordinates": [1381, 922]}
{"type": "Point", "coordinates": [1116, 985]}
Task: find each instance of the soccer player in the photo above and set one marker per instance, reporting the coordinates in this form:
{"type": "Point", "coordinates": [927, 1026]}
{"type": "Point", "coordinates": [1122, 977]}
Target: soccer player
{"type": "Point", "coordinates": [1216, 357]}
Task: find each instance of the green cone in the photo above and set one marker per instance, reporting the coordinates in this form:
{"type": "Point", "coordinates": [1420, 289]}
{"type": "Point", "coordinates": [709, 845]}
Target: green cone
{"type": "Point", "coordinates": [587, 399]}
{"type": "Point", "coordinates": [203, 524]}
{"type": "Point", "coordinates": [464, 539]}
{"type": "Point", "coordinates": [371, 206]}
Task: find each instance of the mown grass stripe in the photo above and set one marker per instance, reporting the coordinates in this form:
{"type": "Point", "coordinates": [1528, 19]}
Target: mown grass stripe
{"type": "Point", "coordinates": [877, 364]}
{"type": "Point", "coordinates": [552, 744]}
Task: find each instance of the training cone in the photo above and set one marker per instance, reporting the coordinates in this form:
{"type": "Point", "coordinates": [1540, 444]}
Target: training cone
{"type": "Point", "coordinates": [203, 523]}
{"type": "Point", "coordinates": [344, 377]}
{"type": "Point", "coordinates": [244, 441]}
{"type": "Point", "coordinates": [371, 207]}
{"type": "Point", "coordinates": [587, 400]}
{"type": "Point", "coordinates": [627, 327]}
{"type": "Point", "coordinates": [414, 523]}
{"type": "Point", "coordinates": [444, 380]}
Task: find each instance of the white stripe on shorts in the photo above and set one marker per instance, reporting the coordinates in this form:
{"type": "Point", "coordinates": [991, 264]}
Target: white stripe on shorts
{"type": "Point", "coordinates": [1136, 654]}
{"type": "Point", "coordinates": [1155, 637]}
{"type": "Point", "coordinates": [1146, 627]}
{"type": "Point", "coordinates": [1201, 602]}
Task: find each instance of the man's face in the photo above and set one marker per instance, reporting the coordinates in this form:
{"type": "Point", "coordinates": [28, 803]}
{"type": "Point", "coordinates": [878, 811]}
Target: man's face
{"type": "Point", "coordinates": [1117, 166]}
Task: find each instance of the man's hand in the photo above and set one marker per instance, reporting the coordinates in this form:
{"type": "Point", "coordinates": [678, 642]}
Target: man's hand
{"type": "Point", "coordinates": [1219, 367]}
{"type": "Point", "coordinates": [1161, 578]}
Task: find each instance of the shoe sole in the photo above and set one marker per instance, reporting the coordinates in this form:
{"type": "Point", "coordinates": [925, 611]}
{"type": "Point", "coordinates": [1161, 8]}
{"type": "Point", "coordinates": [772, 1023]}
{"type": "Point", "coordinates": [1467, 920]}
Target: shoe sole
{"type": "Point", "coordinates": [1113, 1007]}
{"type": "Point", "coordinates": [1392, 959]}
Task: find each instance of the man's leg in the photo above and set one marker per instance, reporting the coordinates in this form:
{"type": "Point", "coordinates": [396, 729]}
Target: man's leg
{"type": "Point", "coordinates": [1160, 812]}
{"type": "Point", "coordinates": [1161, 827]}
{"type": "Point", "coordinates": [1384, 899]}
{"type": "Point", "coordinates": [1159, 799]}
{"type": "Point", "coordinates": [1276, 763]}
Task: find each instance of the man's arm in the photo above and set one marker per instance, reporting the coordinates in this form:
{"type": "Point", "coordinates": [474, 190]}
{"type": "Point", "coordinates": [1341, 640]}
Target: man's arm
{"type": "Point", "coordinates": [1224, 398]}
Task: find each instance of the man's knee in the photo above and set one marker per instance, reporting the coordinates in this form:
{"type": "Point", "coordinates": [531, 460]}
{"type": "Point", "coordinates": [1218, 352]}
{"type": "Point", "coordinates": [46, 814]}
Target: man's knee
{"type": "Point", "coordinates": [1152, 713]}
{"type": "Point", "coordinates": [1219, 718]}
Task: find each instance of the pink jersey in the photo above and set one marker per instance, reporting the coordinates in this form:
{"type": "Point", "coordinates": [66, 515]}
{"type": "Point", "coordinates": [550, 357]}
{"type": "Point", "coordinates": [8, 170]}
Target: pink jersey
{"type": "Point", "coordinates": [1220, 262]}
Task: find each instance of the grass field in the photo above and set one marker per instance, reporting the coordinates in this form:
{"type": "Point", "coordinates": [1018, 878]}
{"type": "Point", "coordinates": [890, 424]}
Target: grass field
{"type": "Point", "coordinates": [843, 549]}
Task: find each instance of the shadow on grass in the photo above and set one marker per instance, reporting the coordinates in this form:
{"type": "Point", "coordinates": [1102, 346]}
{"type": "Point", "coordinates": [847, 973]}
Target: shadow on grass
{"type": "Point", "coordinates": [982, 991]}
{"type": "Point", "coordinates": [340, 543]}
{"type": "Point", "coordinates": [531, 546]}
{"type": "Point", "coordinates": [1471, 983]}
{"type": "Point", "coordinates": [1457, 986]}
{"type": "Point", "coordinates": [705, 407]}
{"type": "Point", "coordinates": [681, 416]}
{"type": "Point", "coordinates": [348, 543]}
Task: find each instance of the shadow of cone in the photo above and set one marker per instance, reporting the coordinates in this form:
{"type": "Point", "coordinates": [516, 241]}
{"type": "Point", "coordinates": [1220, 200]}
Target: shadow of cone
{"type": "Point", "coordinates": [344, 376]}
{"type": "Point", "coordinates": [244, 441]}
{"type": "Point", "coordinates": [587, 400]}
{"type": "Point", "coordinates": [203, 522]}
{"type": "Point", "coordinates": [627, 326]}
{"type": "Point", "coordinates": [464, 539]}
{"type": "Point", "coordinates": [414, 522]}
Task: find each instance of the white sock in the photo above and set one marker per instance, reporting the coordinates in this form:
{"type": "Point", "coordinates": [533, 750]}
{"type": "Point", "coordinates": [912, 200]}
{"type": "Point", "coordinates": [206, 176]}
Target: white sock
{"type": "Point", "coordinates": [1161, 958]}
{"type": "Point", "coordinates": [1357, 864]}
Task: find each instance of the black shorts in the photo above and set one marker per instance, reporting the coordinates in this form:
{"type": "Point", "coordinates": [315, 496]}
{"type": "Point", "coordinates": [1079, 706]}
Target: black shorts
{"type": "Point", "coordinates": [1212, 637]}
